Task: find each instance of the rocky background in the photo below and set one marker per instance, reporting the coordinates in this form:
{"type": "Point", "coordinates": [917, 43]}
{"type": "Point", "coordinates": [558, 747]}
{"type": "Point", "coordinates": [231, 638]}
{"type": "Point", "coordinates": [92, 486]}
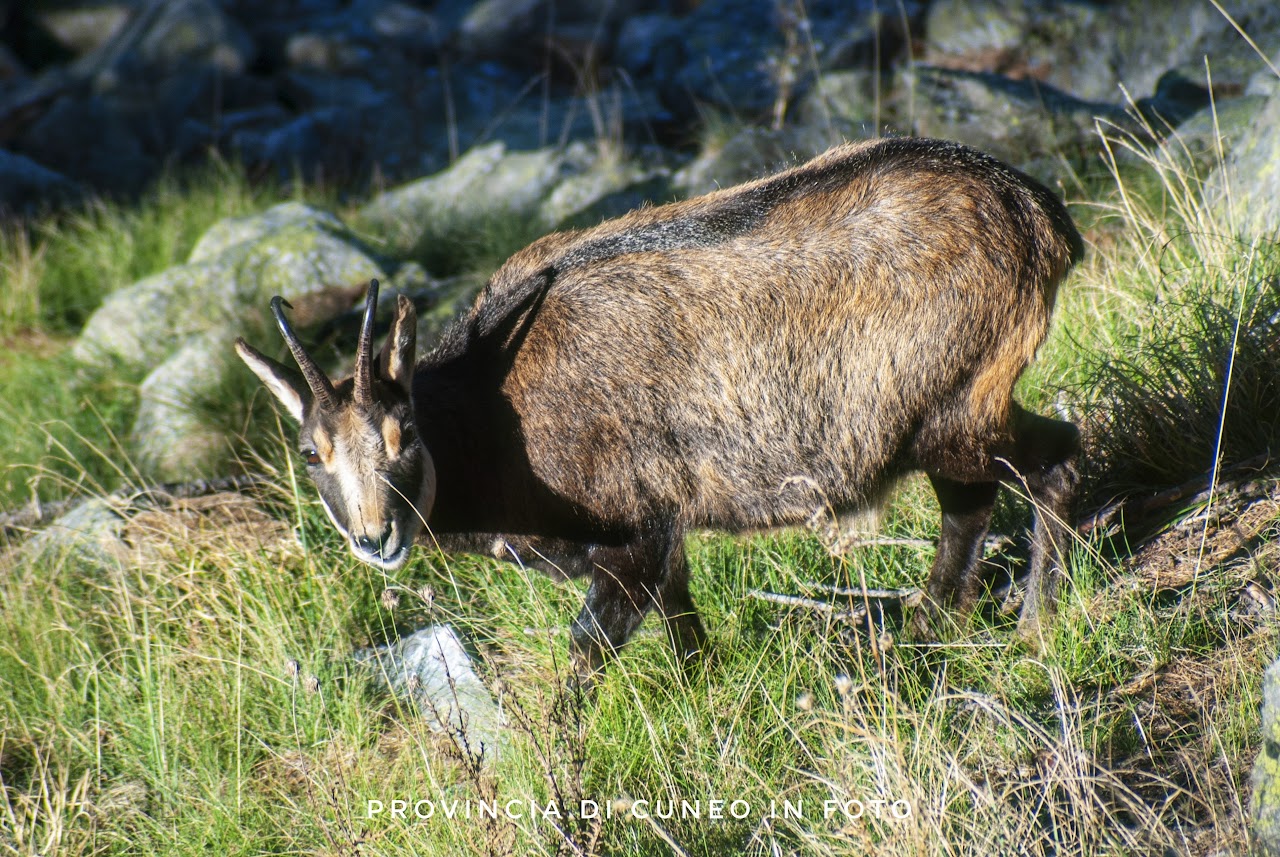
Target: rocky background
{"type": "Point", "coordinates": [442, 118]}
{"type": "Point", "coordinates": [97, 96]}
{"type": "Point", "coordinates": [550, 113]}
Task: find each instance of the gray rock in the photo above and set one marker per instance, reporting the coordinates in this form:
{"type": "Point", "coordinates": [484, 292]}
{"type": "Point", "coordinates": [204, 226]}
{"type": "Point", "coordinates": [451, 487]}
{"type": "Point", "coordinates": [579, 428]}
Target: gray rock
{"type": "Point", "coordinates": [607, 188]}
{"type": "Point", "coordinates": [1265, 81]}
{"type": "Point", "coordinates": [1199, 139]}
{"type": "Point", "coordinates": [1091, 50]}
{"type": "Point", "coordinates": [90, 532]}
{"type": "Point", "coordinates": [432, 669]}
{"type": "Point", "coordinates": [81, 137]}
{"type": "Point", "coordinates": [749, 154]}
{"type": "Point", "coordinates": [1029, 124]}
{"type": "Point", "coordinates": [408, 26]}
{"type": "Point", "coordinates": [848, 104]}
{"type": "Point", "coordinates": [486, 183]}
{"type": "Point", "coordinates": [188, 31]}
{"type": "Point", "coordinates": [1247, 187]}
{"type": "Point", "coordinates": [173, 437]}
{"type": "Point", "coordinates": [325, 52]}
{"type": "Point", "coordinates": [27, 187]}
{"type": "Point", "coordinates": [494, 28]}
{"type": "Point", "coordinates": [291, 250]}
{"type": "Point", "coordinates": [1265, 779]}
{"type": "Point", "coordinates": [87, 27]}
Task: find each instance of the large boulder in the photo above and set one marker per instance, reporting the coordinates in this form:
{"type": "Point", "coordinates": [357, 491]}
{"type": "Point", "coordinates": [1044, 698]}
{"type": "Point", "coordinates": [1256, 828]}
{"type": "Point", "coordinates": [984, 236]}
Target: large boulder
{"type": "Point", "coordinates": [1266, 769]}
{"type": "Point", "coordinates": [1027, 123]}
{"type": "Point", "coordinates": [1092, 50]}
{"type": "Point", "coordinates": [176, 327]}
{"type": "Point", "coordinates": [291, 250]}
{"type": "Point", "coordinates": [26, 186]}
{"type": "Point", "coordinates": [175, 434]}
{"type": "Point", "coordinates": [542, 187]}
{"type": "Point", "coordinates": [1246, 188]}
{"type": "Point", "coordinates": [91, 532]}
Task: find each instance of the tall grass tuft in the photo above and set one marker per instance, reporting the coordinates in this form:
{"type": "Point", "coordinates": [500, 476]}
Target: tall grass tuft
{"type": "Point", "coordinates": [1180, 374]}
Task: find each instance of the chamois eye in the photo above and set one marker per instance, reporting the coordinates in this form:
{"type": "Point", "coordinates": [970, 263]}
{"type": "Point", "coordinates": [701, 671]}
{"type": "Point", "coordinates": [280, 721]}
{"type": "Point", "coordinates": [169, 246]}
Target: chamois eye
{"type": "Point", "coordinates": [312, 457]}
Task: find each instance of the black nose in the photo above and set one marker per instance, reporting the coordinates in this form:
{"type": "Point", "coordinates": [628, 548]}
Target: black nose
{"type": "Point", "coordinates": [371, 544]}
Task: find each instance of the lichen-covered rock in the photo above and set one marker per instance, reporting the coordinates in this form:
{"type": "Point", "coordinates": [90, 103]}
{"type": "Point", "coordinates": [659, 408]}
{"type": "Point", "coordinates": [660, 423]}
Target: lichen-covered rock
{"type": "Point", "coordinates": [90, 532]}
{"type": "Point", "coordinates": [1266, 769]}
{"type": "Point", "coordinates": [846, 103]}
{"type": "Point", "coordinates": [749, 154]}
{"type": "Point", "coordinates": [231, 231]}
{"type": "Point", "coordinates": [432, 668]}
{"type": "Point", "coordinates": [487, 182]}
{"type": "Point", "coordinates": [1029, 124]}
{"type": "Point", "coordinates": [1213, 132]}
{"type": "Point", "coordinates": [1265, 81]}
{"type": "Point", "coordinates": [1247, 187]}
{"type": "Point", "coordinates": [610, 187]}
{"type": "Point", "coordinates": [173, 436]}
{"type": "Point", "coordinates": [235, 269]}
{"type": "Point", "coordinates": [1092, 50]}
{"type": "Point", "coordinates": [176, 327]}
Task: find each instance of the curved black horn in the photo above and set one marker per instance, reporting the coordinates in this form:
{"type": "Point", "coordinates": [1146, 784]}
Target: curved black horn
{"type": "Point", "coordinates": [364, 351]}
{"type": "Point", "coordinates": [321, 386]}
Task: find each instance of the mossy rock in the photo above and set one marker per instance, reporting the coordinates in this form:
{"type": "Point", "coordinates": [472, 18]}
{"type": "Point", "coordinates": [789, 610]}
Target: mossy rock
{"type": "Point", "coordinates": [237, 266]}
{"type": "Point", "coordinates": [1246, 188]}
{"type": "Point", "coordinates": [1266, 768]}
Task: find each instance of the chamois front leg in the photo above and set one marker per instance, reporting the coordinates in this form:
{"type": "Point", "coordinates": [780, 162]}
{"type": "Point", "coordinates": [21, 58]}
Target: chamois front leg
{"type": "Point", "coordinates": [628, 580]}
{"type": "Point", "coordinates": [1046, 461]}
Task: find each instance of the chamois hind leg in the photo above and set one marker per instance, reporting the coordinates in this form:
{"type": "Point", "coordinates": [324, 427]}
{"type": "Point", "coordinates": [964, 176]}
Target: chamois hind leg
{"type": "Point", "coordinates": [952, 588]}
{"type": "Point", "coordinates": [684, 628]}
{"type": "Point", "coordinates": [626, 581]}
{"type": "Point", "coordinates": [1044, 461]}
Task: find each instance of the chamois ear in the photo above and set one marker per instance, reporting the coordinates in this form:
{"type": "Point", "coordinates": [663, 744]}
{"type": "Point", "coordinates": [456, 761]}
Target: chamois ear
{"type": "Point", "coordinates": [285, 384]}
{"type": "Point", "coordinates": [398, 354]}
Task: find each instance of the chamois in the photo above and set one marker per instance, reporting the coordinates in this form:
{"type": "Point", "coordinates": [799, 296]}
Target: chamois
{"type": "Point", "coordinates": [735, 361]}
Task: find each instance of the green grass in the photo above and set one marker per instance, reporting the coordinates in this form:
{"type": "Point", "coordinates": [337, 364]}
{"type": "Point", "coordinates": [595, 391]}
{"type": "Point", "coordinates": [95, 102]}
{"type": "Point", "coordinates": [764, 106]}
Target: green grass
{"type": "Point", "coordinates": [147, 703]}
{"type": "Point", "coordinates": [64, 422]}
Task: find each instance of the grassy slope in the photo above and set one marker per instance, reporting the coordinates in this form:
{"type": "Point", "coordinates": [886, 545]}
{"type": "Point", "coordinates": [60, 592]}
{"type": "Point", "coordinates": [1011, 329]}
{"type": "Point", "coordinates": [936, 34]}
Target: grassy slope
{"type": "Point", "coordinates": [147, 705]}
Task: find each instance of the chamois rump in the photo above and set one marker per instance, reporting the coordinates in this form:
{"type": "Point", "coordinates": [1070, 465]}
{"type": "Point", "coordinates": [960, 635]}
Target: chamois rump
{"type": "Point", "coordinates": [735, 361]}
